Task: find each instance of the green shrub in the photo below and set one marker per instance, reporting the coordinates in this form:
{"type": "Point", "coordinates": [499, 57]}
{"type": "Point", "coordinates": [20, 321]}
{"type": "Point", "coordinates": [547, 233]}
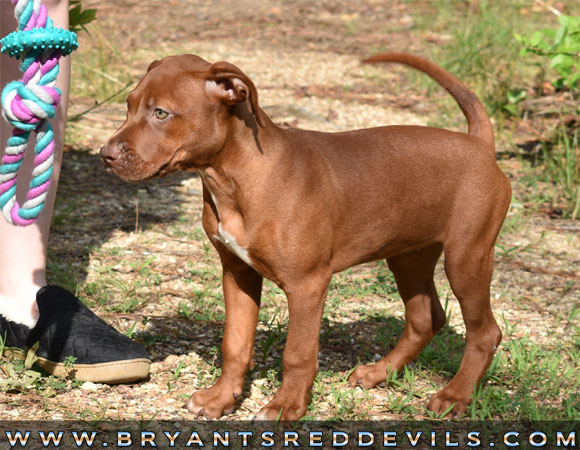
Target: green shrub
{"type": "Point", "coordinates": [561, 46]}
{"type": "Point", "coordinates": [78, 17]}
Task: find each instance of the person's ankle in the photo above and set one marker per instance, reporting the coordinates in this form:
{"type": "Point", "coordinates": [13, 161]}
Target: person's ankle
{"type": "Point", "coordinates": [20, 307]}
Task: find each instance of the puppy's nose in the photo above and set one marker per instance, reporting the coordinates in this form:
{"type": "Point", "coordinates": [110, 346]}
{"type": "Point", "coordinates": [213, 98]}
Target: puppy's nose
{"type": "Point", "coordinates": [111, 152]}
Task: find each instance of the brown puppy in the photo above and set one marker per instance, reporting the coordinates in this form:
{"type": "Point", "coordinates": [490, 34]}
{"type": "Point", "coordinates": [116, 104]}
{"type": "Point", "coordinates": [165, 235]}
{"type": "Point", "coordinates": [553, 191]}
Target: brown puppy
{"type": "Point", "coordinates": [296, 206]}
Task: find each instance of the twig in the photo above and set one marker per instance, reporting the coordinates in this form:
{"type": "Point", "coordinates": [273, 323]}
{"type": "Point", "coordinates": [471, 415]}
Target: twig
{"type": "Point", "coordinates": [136, 216]}
{"type": "Point", "coordinates": [98, 104]}
{"type": "Point", "coordinates": [183, 241]}
{"type": "Point", "coordinates": [549, 8]}
{"type": "Point", "coordinates": [542, 270]}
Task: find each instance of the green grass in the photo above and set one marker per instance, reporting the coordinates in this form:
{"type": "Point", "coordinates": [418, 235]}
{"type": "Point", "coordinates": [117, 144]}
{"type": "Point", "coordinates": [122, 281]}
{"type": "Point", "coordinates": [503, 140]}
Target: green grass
{"type": "Point", "coordinates": [479, 47]}
{"type": "Point", "coordinates": [512, 389]}
{"type": "Point", "coordinates": [552, 177]}
{"type": "Point", "coordinates": [562, 167]}
{"type": "Point", "coordinates": [101, 70]}
{"type": "Point", "coordinates": [21, 376]}
{"type": "Point", "coordinates": [348, 285]}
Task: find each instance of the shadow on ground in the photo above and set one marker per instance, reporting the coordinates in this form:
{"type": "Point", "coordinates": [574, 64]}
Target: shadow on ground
{"type": "Point", "coordinates": [92, 204]}
{"type": "Point", "coordinates": [342, 345]}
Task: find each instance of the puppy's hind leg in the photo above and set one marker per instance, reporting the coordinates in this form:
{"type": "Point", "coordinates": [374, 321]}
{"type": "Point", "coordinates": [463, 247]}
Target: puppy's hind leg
{"type": "Point", "coordinates": [469, 270]}
{"type": "Point", "coordinates": [423, 314]}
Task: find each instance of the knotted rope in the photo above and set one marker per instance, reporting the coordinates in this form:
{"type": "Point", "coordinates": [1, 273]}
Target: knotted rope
{"type": "Point", "coordinates": [29, 103]}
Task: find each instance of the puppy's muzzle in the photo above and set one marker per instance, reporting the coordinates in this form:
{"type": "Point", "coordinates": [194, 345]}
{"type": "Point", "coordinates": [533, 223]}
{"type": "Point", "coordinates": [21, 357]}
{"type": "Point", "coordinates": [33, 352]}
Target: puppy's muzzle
{"type": "Point", "coordinates": [111, 153]}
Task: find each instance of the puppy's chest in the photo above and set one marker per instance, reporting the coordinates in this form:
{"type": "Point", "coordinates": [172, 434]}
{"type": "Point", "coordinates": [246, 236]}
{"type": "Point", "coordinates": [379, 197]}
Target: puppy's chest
{"type": "Point", "coordinates": [231, 243]}
{"type": "Point", "coordinates": [230, 228]}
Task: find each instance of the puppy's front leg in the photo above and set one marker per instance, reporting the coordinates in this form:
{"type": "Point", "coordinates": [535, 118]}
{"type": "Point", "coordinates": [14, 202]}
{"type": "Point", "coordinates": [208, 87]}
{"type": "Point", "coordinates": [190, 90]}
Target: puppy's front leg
{"type": "Point", "coordinates": [300, 359]}
{"type": "Point", "coordinates": [242, 287]}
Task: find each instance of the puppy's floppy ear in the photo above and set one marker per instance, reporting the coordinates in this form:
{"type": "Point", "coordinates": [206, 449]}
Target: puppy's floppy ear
{"type": "Point", "coordinates": [230, 85]}
{"type": "Point", "coordinates": [153, 65]}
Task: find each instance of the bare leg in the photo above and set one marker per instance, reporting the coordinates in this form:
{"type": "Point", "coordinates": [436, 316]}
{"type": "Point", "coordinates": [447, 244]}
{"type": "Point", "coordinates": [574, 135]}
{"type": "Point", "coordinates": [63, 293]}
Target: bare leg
{"type": "Point", "coordinates": [30, 311]}
{"type": "Point", "coordinates": [23, 250]}
{"type": "Point", "coordinates": [423, 314]}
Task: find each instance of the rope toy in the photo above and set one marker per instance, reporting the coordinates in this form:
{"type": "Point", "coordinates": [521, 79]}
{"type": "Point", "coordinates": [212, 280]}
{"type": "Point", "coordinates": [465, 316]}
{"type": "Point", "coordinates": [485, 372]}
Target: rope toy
{"type": "Point", "coordinates": [29, 103]}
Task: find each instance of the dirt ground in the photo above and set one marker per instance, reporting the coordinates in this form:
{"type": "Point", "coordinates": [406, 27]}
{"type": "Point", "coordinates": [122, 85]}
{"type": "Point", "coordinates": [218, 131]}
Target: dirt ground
{"type": "Point", "coordinates": [137, 251]}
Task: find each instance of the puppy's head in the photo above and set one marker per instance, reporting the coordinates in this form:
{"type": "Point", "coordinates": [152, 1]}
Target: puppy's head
{"type": "Point", "coordinates": [177, 117]}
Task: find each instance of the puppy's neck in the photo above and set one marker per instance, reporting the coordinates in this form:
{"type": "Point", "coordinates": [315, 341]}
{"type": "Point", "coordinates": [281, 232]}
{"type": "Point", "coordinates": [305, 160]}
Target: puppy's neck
{"type": "Point", "coordinates": [234, 173]}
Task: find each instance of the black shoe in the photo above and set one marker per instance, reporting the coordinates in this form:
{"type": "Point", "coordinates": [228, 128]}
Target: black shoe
{"type": "Point", "coordinates": [67, 328]}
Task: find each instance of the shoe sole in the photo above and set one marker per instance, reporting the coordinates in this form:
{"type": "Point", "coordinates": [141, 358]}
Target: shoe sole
{"type": "Point", "coordinates": [113, 372]}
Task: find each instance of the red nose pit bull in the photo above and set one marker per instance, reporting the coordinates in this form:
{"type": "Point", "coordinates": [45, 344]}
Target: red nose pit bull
{"type": "Point", "coordinates": [296, 206]}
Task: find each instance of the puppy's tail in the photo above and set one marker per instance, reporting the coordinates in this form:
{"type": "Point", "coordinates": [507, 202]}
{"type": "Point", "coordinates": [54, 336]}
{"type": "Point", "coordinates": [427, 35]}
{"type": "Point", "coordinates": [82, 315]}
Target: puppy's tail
{"type": "Point", "coordinates": [478, 123]}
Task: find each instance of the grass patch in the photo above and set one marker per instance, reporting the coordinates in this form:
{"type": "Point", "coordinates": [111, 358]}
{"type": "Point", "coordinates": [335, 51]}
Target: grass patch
{"type": "Point", "coordinates": [512, 390]}
{"type": "Point", "coordinates": [100, 71]}
{"type": "Point", "coordinates": [480, 50]}
{"type": "Point", "coordinates": [552, 176]}
{"type": "Point", "coordinates": [354, 284]}
{"type": "Point", "coordinates": [561, 162]}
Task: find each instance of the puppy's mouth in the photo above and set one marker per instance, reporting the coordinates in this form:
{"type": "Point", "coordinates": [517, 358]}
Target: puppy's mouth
{"type": "Point", "coordinates": [134, 169]}
{"type": "Point", "coordinates": [164, 170]}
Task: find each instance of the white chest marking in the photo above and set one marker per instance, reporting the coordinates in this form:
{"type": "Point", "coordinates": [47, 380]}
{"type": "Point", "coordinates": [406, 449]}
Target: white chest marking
{"type": "Point", "coordinates": [230, 242]}
{"type": "Point", "coordinates": [222, 235]}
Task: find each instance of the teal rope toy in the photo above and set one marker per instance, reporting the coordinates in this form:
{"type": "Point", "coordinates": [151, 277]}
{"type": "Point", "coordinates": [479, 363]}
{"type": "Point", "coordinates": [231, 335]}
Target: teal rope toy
{"type": "Point", "coordinates": [27, 105]}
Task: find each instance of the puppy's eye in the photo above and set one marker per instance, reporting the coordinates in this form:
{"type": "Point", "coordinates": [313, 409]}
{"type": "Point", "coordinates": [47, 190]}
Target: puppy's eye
{"type": "Point", "coordinates": [161, 114]}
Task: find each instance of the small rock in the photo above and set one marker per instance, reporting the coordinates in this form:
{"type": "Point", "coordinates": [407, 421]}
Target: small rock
{"type": "Point", "coordinates": [89, 386]}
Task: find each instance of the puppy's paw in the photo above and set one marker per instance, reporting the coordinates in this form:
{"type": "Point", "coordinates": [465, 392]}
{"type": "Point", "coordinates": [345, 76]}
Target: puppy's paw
{"type": "Point", "coordinates": [212, 403]}
{"type": "Point", "coordinates": [286, 405]}
{"type": "Point", "coordinates": [275, 411]}
{"type": "Point", "coordinates": [448, 402]}
{"type": "Point", "coordinates": [368, 376]}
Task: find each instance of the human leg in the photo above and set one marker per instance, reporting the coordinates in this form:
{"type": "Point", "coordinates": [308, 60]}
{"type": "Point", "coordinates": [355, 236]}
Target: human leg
{"type": "Point", "coordinates": [23, 250]}
{"type": "Point", "coordinates": [30, 311]}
